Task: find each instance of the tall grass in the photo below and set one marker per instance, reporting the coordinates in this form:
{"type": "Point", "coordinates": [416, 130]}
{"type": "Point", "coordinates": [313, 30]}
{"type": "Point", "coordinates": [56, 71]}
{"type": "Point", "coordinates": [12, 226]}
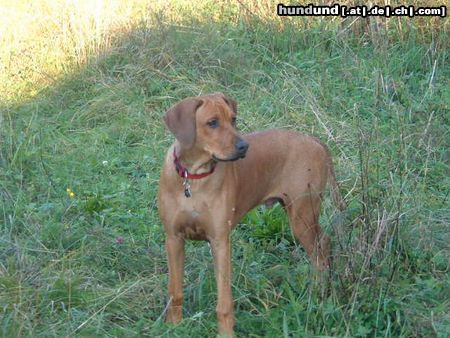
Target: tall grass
{"type": "Point", "coordinates": [83, 87]}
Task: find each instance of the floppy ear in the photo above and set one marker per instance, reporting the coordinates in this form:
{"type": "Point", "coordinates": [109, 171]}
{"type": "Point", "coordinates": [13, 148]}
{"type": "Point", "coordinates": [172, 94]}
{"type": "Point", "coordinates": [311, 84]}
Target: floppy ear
{"type": "Point", "coordinates": [180, 119]}
{"type": "Point", "coordinates": [230, 102]}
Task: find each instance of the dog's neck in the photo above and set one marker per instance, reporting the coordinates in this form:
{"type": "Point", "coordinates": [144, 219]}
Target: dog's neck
{"type": "Point", "coordinates": [196, 161]}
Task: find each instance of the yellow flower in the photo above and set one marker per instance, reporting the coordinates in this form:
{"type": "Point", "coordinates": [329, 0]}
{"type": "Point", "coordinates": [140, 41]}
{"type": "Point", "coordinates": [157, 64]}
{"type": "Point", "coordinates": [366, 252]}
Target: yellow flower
{"type": "Point", "coordinates": [70, 193]}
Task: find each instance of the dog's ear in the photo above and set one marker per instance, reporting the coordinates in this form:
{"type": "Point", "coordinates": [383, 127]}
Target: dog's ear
{"type": "Point", "coordinates": [180, 119]}
{"type": "Point", "coordinates": [229, 101]}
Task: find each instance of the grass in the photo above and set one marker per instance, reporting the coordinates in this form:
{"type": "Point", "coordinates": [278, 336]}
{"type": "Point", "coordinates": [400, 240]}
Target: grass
{"type": "Point", "coordinates": [83, 89]}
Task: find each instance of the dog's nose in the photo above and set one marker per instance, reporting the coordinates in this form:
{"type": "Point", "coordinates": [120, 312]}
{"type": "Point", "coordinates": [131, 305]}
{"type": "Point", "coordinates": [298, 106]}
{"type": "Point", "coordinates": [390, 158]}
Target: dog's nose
{"type": "Point", "coordinates": [241, 146]}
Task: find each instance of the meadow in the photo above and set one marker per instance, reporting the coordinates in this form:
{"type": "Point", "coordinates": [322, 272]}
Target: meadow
{"type": "Point", "coordinates": [83, 88]}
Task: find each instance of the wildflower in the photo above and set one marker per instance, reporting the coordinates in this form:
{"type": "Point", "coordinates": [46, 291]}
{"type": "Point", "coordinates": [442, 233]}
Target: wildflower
{"type": "Point", "coordinates": [119, 239]}
{"type": "Point", "coordinates": [105, 163]}
{"type": "Point", "coordinates": [70, 193]}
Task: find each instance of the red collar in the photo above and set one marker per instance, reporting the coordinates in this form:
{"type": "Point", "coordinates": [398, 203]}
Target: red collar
{"type": "Point", "coordinates": [184, 173]}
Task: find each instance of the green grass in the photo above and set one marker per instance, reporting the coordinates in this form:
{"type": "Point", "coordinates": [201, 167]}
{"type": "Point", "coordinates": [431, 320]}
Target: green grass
{"type": "Point", "coordinates": [84, 112]}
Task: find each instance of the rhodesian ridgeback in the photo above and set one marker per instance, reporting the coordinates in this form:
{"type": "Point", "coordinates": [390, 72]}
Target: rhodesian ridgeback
{"type": "Point", "coordinates": [212, 176]}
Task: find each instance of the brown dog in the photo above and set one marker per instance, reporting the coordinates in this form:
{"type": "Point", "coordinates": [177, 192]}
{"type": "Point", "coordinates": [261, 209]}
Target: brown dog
{"type": "Point", "coordinates": [212, 177]}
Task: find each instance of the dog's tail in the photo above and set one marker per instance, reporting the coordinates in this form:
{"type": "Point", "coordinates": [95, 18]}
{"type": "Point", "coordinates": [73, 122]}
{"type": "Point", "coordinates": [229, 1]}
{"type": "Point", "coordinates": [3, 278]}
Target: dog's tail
{"type": "Point", "coordinates": [335, 194]}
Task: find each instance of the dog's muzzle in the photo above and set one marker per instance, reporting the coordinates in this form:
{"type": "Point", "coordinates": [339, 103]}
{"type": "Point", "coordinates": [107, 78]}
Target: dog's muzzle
{"type": "Point", "coordinates": [240, 150]}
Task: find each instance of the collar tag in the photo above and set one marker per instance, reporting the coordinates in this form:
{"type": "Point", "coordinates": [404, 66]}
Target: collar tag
{"type": "Point", "coordinates": [187, 186]}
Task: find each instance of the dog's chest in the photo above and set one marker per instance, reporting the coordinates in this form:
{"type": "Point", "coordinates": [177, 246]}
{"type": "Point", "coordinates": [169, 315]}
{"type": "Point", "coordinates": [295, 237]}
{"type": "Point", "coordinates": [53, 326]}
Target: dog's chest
{"type": "Point", "coordinates": [192, 218]}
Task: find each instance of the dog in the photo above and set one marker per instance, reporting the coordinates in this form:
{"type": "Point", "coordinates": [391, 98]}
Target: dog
{"type": "Point", "coordinates": [212, 176]}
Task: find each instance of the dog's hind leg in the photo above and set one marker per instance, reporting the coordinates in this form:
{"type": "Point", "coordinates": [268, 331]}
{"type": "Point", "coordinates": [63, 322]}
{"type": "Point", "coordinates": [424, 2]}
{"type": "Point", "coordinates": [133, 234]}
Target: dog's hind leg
{"type": "Point", "coordinates": [303, 215]}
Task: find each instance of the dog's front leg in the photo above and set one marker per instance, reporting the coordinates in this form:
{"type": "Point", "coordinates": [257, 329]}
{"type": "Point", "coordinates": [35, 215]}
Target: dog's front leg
{"type": "Point", "coordinates": [175, 256]}
{"type": "Point", "coordinates": [222, 263]}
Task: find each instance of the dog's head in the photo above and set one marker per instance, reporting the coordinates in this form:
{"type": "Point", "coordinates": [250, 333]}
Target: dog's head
{"type": "Point", "coordinates": [207, 123]}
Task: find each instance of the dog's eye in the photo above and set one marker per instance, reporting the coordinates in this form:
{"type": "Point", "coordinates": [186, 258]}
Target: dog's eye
{"type": "Point", "coordinates": [213, 123]}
